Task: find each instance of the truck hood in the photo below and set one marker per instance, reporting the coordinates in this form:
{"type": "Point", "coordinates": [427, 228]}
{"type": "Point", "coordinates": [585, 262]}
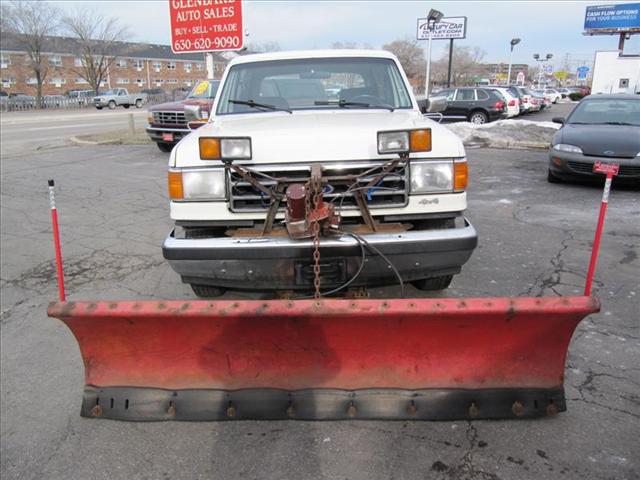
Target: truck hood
{"type": "Point", "coordinates": [315, 136]}
{"type": "Point", "coordinates": [204, 103]}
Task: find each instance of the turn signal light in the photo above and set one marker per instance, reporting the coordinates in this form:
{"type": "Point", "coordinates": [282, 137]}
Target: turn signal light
{"type": "Point", "coordinates": [209, 148]}
{"type": "Point", "coordinates": [420, 140]}
{"type": "Point", "coordinates": [176, 192]}
{"type": "Point", "coordinates": [460, 176]}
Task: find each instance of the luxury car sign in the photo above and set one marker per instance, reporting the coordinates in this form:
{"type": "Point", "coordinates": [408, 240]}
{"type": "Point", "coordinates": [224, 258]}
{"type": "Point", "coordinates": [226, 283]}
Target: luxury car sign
{"type": "Point", "coordinates": [205, 25]}
{"type": "Point", "coordinates": [446, 29]}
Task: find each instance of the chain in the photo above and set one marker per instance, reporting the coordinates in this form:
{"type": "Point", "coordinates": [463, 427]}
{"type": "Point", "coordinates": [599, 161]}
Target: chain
{"type": "Point", "coordinates": [315, 191]}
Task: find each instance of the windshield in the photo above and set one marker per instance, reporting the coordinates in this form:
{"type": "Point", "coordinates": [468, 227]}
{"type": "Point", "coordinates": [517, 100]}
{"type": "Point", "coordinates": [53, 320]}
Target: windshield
{"type": "Point", "coordinates": [607, 111]}
{"type": "Point", "coordinates": [205, 89]}
{"type": "Point", "coordinates": [320, 84]}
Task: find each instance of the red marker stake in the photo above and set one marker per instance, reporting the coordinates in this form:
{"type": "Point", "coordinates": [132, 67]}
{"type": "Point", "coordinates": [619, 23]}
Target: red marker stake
{"type": "Point", "coordinates": [56, 240]}
{"type": "Point", "coordinates": [611, 170]}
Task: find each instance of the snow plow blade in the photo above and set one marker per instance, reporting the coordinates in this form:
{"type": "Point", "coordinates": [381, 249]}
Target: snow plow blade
{"type": "Point", "coordinates": [429, 359]}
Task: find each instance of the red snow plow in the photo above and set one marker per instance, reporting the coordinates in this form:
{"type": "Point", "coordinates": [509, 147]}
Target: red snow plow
{"type": "Point", "coordinates": [320, 359]}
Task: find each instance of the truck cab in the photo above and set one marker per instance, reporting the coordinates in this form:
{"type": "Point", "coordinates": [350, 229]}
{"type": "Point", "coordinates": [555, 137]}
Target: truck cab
{"type": "Point", "coordinates": [395, 179]}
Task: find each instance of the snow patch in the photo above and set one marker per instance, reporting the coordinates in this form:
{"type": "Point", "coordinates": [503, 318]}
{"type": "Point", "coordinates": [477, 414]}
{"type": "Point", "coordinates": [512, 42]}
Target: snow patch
{"type": "Point", "coordinates": [505, 134]}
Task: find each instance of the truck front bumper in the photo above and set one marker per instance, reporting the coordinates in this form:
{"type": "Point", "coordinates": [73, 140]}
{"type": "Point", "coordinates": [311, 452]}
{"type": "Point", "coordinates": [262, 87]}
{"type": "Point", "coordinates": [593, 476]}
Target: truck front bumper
{"type": "Point", "coordinates": [280, 263]}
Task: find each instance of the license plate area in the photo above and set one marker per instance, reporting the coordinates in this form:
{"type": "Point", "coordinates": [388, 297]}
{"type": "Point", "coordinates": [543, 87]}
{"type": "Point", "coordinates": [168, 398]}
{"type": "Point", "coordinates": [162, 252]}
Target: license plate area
{"type": "Point", "coordinates": [167, 137]}
{"type": "Point", "coordinates": [332, 272]}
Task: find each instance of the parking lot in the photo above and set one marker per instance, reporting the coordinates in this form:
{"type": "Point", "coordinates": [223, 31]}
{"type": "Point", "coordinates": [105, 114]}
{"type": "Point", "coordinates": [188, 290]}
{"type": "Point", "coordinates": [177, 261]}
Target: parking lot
{"type": "Point", "coordinates": [535, 239]}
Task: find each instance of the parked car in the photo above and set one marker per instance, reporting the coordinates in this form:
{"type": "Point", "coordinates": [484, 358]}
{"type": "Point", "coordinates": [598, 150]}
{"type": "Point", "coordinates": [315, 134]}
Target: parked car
{"type": "Point", "coordinates": [81, 97]}
{"type": "Point", "coordinates": [53, 101]}
{"type": "Point", "coordinates": [119, 97]}
{"type": "Point", "coordinates": [540, 99]}
{"type": "Point", "coordinates": [583, 89]}
{"type": "Point", "coordinates": [602, 128]}
{"type": "Point", "coordinates": [477, 105]}
{"type": "Point", "coordinates": [512, 102]}
{"type": "Point", "coordinates": [526, 100]}
{"type": "Point", "coordinates": [553, 95]}
{"type": "Point", "coordinates": [169, 122]}
{"type": "Point", "coordinates": [20, 101]}
{"type": "Point", "coordinates": [563, 91]}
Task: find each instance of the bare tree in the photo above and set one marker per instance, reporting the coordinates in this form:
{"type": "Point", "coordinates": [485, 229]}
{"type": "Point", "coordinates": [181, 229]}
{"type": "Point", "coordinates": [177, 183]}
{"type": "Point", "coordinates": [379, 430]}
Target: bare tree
{"type": "Point", "coordinates": [33, 23]}
{"type": "Point", "coordinates": [411, 56]}
{"type": "Point", "coordinates": [98, 39]}
{"type": "Point", "coordinates": [269, 46]}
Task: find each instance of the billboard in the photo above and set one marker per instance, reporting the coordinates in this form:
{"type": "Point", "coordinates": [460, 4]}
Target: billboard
{"type": "Point", "coordinates": [205, 26]}
{"type": "Point", "coordinates": [612, 18]}
{"type": "Point", "coordinates": [446, 29]}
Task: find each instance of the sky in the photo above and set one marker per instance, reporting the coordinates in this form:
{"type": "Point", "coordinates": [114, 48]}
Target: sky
{"type": "Point", "coordinates": [544, 26]}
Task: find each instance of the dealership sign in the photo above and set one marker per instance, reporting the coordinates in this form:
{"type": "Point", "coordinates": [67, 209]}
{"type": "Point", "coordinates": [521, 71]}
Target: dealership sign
{"type": "Point", "coordinates": [446, 29]}
{"type": "Point", "coordinates": [582, 72]}
{"type": "Point", "coordinates": [205, 25]}
{"type": "Point", "coordinates": [612, 18]}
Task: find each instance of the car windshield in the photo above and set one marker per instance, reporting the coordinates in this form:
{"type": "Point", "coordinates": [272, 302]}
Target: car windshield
{"type": "Point", "coordinates": [204, 89]}
{"type": "Point", "coordinates": [318, 84]}
{"type": "Point", "coordinates": [607, 112]}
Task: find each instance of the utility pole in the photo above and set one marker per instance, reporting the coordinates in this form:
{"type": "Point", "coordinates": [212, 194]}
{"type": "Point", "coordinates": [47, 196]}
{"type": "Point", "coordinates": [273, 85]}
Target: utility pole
{"type": "Point", "coordinates": [433, 17]}
{"type": "Point", "coordinates": [513, 43]}
{"type": "Point", "coordinates": [450, 62]}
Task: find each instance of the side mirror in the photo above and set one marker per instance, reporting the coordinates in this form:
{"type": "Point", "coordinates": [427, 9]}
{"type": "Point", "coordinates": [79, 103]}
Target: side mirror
{"type": "Point", "coordinates": [559, 120]}
{"type": "Point", "coordinates": [435, 105]}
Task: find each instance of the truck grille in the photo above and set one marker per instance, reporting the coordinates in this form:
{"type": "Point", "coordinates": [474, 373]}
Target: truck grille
{"type": "Point", "coordinates": [169, 118]}
{"type": "Point", "coordinates": [391, 191]}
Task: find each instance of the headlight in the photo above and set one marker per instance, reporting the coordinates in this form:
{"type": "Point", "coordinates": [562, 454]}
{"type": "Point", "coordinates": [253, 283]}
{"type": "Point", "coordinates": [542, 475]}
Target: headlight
{"type": "Point", "coordinates": [197, 184]}
{"type": "Point", "coordinates": [225, 148]}
{"type": "Point", "coordinates": [563, 147]}
{"type": "Point", "coordinates": [150, 119]}
{"type": "Point", "coordinates": [405, 142]}
{"type": "Point", "coordinates": [430, 177]}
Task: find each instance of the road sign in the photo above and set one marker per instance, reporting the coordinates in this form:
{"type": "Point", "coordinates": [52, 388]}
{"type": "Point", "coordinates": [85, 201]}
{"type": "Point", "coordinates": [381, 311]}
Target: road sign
{"type": "Point", "coordinates": [205, 26]}
{"type": "Point", "coordinates": [612, 18]}
{"type": "Point", "coordinates": [520, 78]}
{"type": "Point", "coordinates": [582, 72]}
{"type": "Point", "coordinates": [446, 29]}
{"type": "Point", "coordinates": [548, 69]}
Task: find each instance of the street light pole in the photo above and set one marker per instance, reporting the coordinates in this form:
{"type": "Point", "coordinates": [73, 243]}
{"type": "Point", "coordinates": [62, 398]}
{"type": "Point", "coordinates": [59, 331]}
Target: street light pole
{"type": "Point", "coordinates": [433, 17]}
{"type": "Point", "coordinates": [513, 43]}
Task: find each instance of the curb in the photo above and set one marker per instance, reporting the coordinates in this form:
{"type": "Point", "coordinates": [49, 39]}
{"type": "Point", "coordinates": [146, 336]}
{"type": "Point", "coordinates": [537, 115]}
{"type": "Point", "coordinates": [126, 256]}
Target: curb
{"type": "Point", "coordinates": [79, 141]}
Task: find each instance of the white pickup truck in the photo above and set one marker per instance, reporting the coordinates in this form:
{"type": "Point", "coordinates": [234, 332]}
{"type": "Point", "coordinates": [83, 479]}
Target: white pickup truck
{"type": "Point", "coordinates": [119, 97]}
{"type": "Point", "coordinates": [395, 178]}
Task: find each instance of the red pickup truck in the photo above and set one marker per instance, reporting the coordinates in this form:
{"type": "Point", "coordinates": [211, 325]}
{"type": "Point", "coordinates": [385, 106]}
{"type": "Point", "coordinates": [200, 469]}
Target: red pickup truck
{"type": "Point", "coordinates": [169, 122]}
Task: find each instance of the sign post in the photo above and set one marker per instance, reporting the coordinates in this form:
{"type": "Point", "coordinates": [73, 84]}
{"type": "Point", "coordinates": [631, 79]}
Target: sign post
{"type": "Point", "coordinates": [448, 28]}
{"type": "Point", "coordinates": [206, 27]}
{"type": "Point", "coordinates": [610, 170]}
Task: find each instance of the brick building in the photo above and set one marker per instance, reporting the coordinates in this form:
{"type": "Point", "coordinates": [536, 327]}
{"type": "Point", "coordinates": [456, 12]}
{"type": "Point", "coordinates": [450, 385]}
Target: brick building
{"type": "Point", "coordinates": [137, 66]}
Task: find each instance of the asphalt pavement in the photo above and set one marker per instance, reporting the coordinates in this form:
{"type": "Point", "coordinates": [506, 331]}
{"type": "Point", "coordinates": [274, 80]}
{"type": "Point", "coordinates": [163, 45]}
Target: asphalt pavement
{"type": "Point", "coordinates": [535, 239]}
{"type": "Point", "coordinates": [25, 132]}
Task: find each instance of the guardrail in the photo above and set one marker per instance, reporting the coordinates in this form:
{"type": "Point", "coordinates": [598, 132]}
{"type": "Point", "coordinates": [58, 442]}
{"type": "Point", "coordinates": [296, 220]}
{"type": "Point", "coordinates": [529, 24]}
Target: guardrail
{"type": "Point", "coordinates": [22, 104]}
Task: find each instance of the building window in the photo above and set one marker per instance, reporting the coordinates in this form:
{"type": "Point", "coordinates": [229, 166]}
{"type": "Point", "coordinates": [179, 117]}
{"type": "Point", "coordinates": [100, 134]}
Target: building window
{"type": "Point", "coordinates": [55, 60]}
{"type": "Point", "coordinates": [158, 82]}
{"type": "Point", "coordinates": [121, 63]}
{"type": "Point", "coordinates": [200, 66]}
{"type": "Point", "coordinates": [7, 82]}
{"type": "Point", "coordinates": [188, 83]}
{"type": "Point", "coordinates": [57, 81]}
{"type": "Point", "coordinates": [103, 83]}
{"type": "Point", "coordinates": [187, 67]}
{"type": "Point", "coordinates": [171, 65]}
{"type": "Point", "coordinates": [5, 61]}
{"type": "Point", "coordinates": [122, 81]}
{"type": "Point", "coordinates": [140, 82]}
{"type": "Point", "coordinates": [138, 64]}
{"type": "Point", "coordinates": [157, 65]}
{"type": "Point", "coordinates": [31, 81]}
{"type": "Point", "coordinates": [172, 81]}
{"type": "Point", "coordinates": [80, 81]}
{"type": "Point", "coordinates": [77, 62]}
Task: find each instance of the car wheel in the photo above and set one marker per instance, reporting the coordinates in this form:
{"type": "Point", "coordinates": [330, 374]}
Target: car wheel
{"type": "Point", "coordinates": [479, 118]}
{"type": "Point", "coordinates": [206, 291]}
{"type": "Point", "coordinates": [98, 108]}
{"type": "Point", "coordinates": [435, 283]}
{"type": "Point", "coordinates": [126, 106]}
{"type": "Point", "coordinates": [112, 105]}
{"type": "Point", "coordinates": [551, 178]}
{"type": "Point", "coordinates": [138, 103]}
{"type": "Point", "coordinates": [165, 147]}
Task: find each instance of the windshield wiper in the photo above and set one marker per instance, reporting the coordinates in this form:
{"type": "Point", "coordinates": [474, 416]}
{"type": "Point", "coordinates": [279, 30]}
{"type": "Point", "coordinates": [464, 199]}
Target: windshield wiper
{"type": "Point", "coordinates": [347, 103]}
{"type": "Point", "coordinates": [252, 104]}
